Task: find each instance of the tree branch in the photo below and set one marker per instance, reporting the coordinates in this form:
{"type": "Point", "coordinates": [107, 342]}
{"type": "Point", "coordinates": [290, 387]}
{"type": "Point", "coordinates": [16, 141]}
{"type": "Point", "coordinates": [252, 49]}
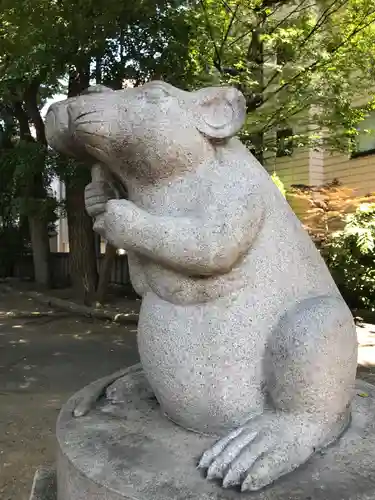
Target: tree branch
{"type": "Point", "coordinates": [79, 79]}
{"type": "Point", "coordinates": [319, 64]}
{"type": "Point", "coordinates": [314, 30]}
{"type": "Point", "coordinates": [280, 23]}
{"type": "Point", "coordinates": [217, 61]}
{"type": "Point", "coordinates": [322, 19]}
{"type": "Point", "coordinates": [225, 38]}
{"type": "Point", "coordinates": [293, 111]}
{"type": "Point", "coordinates": [23, 121]}
{"type": "Point", "coordinates": [297, 9]}
{"type": "Point", "coordinates": [31, 105]}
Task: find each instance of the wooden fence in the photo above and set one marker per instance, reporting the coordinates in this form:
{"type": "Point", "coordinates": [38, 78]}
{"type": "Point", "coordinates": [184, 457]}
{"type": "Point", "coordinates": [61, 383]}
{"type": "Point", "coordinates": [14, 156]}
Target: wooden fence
{"type": "Point", "coordinates": [24, 269]}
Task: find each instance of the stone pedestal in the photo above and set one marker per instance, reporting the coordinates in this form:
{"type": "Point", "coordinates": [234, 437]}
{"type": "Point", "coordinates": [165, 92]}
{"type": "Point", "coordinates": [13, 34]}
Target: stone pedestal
{"type": "Point", "coordinates": [130, 450]}
{"type": "Point", "coordinates": [44, 485]}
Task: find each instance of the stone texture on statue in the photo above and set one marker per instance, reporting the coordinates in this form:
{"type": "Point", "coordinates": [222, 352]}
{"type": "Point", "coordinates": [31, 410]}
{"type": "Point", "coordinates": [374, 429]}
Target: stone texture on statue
{"type": "Point", "coordinates": [242, 334]}
{"type": "Point", "coordinates": [129, 450]}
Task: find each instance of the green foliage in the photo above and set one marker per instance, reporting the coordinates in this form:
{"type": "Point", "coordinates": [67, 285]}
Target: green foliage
{"type": "Point", "coordinates": [279, 183]}
{"type": "Point", "coordinates": [350, 257]}
{"type": "Point", "coordinates": [19, 166]}
{"type": "Point", "coordinates": [45, 40]}
{"type": "Point", "coordinates": [326, 53]}
{"type": "Point", "coordinates": [297, 62]}
{"type": "Point", "coordinates": [51, 47]}
{"type": "Point", "coordinates": [25, 159]}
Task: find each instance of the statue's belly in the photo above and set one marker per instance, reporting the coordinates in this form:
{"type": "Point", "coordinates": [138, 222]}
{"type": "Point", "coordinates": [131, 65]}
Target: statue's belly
{"type": "Point", "coordinates": [204, 362]}
{"type": "Point", "coordinates": [186, 290]}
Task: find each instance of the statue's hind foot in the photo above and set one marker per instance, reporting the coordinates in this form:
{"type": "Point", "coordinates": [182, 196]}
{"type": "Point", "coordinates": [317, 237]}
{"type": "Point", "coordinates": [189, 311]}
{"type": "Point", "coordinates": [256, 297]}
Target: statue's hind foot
{"type": "Point", "coordinates": [265, 448]}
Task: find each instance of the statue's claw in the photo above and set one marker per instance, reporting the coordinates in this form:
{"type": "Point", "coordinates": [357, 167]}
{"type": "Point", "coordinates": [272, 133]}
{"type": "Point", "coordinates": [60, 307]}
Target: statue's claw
{"type": "Point", "coordinates": [261, 451]}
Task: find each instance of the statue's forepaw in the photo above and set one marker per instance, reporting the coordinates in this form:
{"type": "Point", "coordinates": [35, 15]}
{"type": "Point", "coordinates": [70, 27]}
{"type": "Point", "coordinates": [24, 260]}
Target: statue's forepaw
{"type": "Point", "coordinates": [261, 451]}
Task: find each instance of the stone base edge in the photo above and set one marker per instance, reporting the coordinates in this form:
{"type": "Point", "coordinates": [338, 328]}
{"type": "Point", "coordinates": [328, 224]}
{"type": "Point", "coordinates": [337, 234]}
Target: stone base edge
{"type": "Point", "coordinates": [44, 484]}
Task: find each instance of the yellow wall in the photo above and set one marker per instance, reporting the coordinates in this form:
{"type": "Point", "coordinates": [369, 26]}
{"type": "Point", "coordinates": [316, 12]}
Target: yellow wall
{"type": "Point", "coordinates": [357, 173]}
{"type": "Point", "coordinates": [291, 169]}
{"type": "Point", "coordinates": [316, 168]}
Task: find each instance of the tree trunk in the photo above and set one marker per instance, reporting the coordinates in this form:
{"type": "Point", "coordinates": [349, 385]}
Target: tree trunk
{"type": "Point", "coordinates": [256, 56]}
{"type": "Point", "coordinates": [41, 252]}
{"type": "Point", "coordinates": [32, 108]}
{"type": "Point", "coordinates": [79, 79]}
{"type": "Point", "coordinates": [107, 262]}
{"type": "Point", "coordinates": [100, 175]}
{"type": "Point", "coordinates": [33, 189]}
{"type": "Point", "coordinates": [82, 255]}
{"type": "Point", "coordinates": [105, 272]}
{"type": "Point", "coordinates": [83, 265]}
{"type": "Point", "coordinates": [38, 227]}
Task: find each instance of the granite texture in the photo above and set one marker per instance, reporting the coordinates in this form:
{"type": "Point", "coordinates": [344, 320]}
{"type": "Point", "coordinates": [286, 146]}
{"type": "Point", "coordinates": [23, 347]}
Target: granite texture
{"type": "Point", "coordinates": [129, 450]}
{"type": "Point", "coordinates": [242, 331]}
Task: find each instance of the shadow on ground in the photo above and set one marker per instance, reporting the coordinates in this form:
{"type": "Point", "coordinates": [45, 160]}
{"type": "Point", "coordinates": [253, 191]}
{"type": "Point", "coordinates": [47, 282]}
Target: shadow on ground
{"type": "Point", "coordinates": [44, 358]}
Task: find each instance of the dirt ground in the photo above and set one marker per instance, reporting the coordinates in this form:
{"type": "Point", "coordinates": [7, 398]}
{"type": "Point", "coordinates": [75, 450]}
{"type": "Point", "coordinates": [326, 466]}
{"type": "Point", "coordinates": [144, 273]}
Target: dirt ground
{"type": "Point", "coordinates": [44, 360]}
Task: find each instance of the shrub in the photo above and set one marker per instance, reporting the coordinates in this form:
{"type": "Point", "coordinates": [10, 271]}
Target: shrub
{"type": "Point", "coordinates": [323, 209]}
{"type": "Point", "coordinates": [342, 225]}
{"type": "Point", "coordinates": [349, 254]}
{"type": "Point", "coordinates": [279, 183]}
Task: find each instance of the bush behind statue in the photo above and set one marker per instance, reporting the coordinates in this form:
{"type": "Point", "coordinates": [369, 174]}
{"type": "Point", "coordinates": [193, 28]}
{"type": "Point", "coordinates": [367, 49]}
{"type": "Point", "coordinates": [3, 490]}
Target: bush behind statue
{"type": "Point", "coordinates": [342, 225]}
{"type": "Point", "coordinates": [350, 257]}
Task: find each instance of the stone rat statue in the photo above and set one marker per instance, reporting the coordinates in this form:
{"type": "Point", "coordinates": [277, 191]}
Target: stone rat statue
{"type": "Point", "coordinates": [242, 332]}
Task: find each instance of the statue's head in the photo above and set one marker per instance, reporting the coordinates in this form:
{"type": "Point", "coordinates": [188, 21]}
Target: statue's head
{"type": "Point", "coordinates": [149, 131]}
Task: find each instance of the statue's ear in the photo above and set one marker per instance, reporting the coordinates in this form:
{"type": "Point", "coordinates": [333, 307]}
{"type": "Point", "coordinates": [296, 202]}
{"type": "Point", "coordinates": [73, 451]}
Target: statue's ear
{"type": "Point", "coordinates": [220, 111]}
{"type": "Point", "coordinates": [96, 89]}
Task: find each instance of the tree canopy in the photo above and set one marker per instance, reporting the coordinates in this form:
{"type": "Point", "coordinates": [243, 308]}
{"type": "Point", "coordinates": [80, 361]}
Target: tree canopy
{"type": "Point", "coordinates": [300, 63]}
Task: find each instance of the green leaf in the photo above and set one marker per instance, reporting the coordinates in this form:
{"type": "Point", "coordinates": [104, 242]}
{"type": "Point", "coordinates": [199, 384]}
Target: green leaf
{"type": "Point", "coordinates": [363, 394]}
